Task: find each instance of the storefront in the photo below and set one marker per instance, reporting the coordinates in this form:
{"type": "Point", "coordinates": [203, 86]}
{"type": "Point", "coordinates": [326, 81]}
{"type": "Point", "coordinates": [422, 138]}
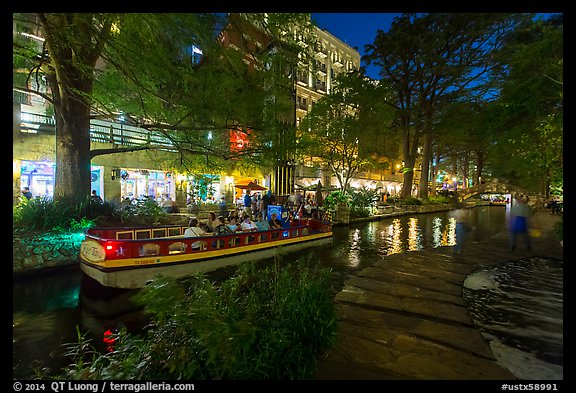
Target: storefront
{"type": "Point", "coordinates": [140, 183]}
{"type": "Point", "coordinates": [39, 177]}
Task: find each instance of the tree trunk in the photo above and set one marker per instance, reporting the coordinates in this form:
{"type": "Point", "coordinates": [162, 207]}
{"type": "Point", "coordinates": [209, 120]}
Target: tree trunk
{"type": "Point", "coordinates": [426, 157]}
{"type": "Point", "coordinates": [73, 171]}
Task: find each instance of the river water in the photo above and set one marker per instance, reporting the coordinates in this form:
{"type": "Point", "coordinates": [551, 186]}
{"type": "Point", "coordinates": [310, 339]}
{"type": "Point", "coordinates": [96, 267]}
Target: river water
{"type": "Point", "coordinates": [517, 306]}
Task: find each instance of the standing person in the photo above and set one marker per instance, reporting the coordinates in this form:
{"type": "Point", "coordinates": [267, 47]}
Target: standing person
{"type": "Point", "coordinates": [26, 193]}
{"type": "Point", "coordinates": [223, 207]}
{"type": "Point", "coordinates": [520, 214]}
{"type": "Point", "coordinates": [248, 203]}
{"type": "Point", "coordinates": [95, 197]}
{"type": "Point", "coordinates": [264, 202]}
{"type": "Point", "coordinates": [461, 229]}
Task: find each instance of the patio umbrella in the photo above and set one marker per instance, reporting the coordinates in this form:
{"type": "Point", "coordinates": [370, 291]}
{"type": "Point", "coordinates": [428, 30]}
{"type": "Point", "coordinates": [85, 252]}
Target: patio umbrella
{"type": "Point", "coordinates": [252, 186]}
{"type": "Point", "coordinates": [319, 198]}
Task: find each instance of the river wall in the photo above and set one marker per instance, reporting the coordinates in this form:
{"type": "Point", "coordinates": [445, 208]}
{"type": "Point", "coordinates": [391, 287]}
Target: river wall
{"type": "Point", "coordinates": [33, 253]}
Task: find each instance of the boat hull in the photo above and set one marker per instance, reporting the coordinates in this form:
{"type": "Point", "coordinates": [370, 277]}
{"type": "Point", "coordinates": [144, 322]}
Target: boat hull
{"type": "Point", "coordinates": [138, 276]}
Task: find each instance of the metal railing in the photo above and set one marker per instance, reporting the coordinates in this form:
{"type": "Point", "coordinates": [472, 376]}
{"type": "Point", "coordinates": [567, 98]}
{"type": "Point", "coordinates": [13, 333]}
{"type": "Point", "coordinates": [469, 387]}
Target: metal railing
{"type": "Point", "coordinates": [100, 131]}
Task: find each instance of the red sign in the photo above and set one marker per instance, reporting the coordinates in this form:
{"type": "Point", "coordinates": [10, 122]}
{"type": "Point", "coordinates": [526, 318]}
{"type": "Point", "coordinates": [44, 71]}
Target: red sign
{"type": "Point", "coordinates": [239, 140]}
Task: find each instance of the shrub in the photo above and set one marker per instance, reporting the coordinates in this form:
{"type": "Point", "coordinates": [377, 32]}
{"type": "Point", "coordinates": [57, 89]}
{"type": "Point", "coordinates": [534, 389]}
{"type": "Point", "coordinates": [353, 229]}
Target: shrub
{"type": "Point", "coordinates": [439, 199]}
{"type": "Point", "coordinates": [410, 201]}
{"type": "Point", "coordinates": [359, 212]}
{"type": "Point", "coordinates": [336, 198]}
{"type": "Point", "coordinates": [559, 228]}
{"type": "Point", "coordinates": [262, 323]}
{"type": "Point", "coordinates": [62, 214]}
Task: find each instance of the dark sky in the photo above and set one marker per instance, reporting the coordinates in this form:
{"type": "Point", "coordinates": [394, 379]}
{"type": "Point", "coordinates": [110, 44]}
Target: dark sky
{"type": "Point", "coordinates": [356, 29]}
{"type": "Point", "coordinates": [359, 29]}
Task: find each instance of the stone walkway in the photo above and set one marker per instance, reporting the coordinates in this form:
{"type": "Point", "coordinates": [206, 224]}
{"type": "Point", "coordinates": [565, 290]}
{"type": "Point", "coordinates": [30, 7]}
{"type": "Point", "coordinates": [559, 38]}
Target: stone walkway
{"type": "Point", "coordinates": [404, 317]}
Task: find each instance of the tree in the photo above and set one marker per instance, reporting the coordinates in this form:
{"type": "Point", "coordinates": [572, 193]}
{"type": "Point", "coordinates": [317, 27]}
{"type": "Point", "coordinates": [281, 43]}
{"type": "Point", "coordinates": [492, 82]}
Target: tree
{"type": "Point", "coordinates": [528, 116]}
{"type": "Point", "coordinates": [144, 65]}
{"type": "Point", "coordinates": [336, 128]}
{"type": "Point", "coordinates": [431, 61]}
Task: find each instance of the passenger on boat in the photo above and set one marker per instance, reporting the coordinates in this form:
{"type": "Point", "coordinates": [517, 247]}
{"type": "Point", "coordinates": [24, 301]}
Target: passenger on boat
{"type": "Point", "coordinates": [211, 221]}
{"type": "Point", "coordinates": [220, 227]}
{"type": "Point", "coordinates": [274, 222]}
{"type": "Point", "coordinates": [232, 224]}
{"type": "Point", "coordinates": [261, 224]}
{"type": "Point", "coordinates": [247, 225]}
{"type": "Point", "coordinates": [195, 231]}
{"type": "Point", "coordinates": [233, 214]}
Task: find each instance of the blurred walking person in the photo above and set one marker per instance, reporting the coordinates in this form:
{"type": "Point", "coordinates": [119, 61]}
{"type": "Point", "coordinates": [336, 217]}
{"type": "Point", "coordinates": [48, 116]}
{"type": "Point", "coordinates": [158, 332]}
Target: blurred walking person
{"type": "Point", "coordinates": [520, 214]}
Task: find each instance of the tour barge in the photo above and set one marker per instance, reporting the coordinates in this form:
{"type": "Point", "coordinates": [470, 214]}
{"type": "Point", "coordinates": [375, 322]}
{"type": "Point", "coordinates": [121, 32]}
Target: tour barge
{"type": "Point", "coordinates": [132, 257]}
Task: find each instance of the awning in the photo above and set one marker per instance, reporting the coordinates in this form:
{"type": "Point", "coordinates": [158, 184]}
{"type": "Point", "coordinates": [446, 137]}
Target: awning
{"type": "Point", "coordinates": [252, 186]}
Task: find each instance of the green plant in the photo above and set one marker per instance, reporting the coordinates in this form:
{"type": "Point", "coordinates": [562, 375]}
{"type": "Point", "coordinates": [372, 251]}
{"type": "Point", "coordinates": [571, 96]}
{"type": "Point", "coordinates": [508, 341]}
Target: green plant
{"type": "Point", "coordinates": [261, 323]}
{"type": "Point", "coordinates": [410, 201]}
{"type": "Point", "coordinates": [559, 228]}
{"type": "Point", "coordinates": [364, 198]}
{"type": "Point", "coordinates": [438, 199]}
{"type": "Point", "coordinates": [145, 212]}
{"type": "Point", "coordinates": [336, 198]}
{"type": "Point", "coordinates": [359, 212]}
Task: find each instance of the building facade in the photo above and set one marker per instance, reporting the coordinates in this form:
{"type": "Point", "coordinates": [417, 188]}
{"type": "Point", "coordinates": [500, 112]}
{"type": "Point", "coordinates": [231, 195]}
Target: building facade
{"type": "Point", "coordinates": [152, 174]}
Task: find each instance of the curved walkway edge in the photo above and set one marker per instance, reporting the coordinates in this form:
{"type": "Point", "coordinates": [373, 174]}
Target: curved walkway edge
{"type": "Point", "coordinates": [404, 316]}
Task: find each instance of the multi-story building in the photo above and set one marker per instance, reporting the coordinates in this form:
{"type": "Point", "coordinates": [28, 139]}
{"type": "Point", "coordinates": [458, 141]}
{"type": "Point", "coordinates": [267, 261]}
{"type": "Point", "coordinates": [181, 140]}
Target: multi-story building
{"type": "Point", "coordinates": [139, 173]}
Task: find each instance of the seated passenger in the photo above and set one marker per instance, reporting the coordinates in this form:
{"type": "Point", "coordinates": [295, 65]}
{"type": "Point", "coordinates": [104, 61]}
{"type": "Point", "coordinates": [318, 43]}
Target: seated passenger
{"type": "Point", "coordinates": [232, 224]}
{"type": "Point", "coordinates": [211, 221]}
{"type": "Point", "coordinates": [274, 222]}
{"type": "Point", "coordinates": [220, 227]}
{"type": "Point", "coordinates": [247, 224]}
{"type": "Point", "coordinates": [194, 231]}
{"type": "Point", "coordinates": [261, 224]}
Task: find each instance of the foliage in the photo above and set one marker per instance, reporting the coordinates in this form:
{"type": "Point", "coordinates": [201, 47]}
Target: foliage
{"type": "Point", "coordinates": [439, 199]}
{"type": "Point", "coordinates": [359, 212]}
{"type": "Point", "coordinates": [559, 228]}
{"type": "Point", "coordinates": [409, 201]}
{"type": "Point", "coordinates": [336, 129]}
{"type": "Point", "coordinates": [336, 198]}
{"type": "Point", "coordinates": [60, 215]}
{"type": "Point", "coordinates": [269, 323]}
{"type": "Point", "coordinates": [432, 61]}
{"type": "Point", "coordinates": [364, 198]}
{"type": "Point", "coordinates": [146, 66]}
{"type": "Point", "coordinates": [63, 215]}
{"type": "Point", "coordinates": [527, 120]}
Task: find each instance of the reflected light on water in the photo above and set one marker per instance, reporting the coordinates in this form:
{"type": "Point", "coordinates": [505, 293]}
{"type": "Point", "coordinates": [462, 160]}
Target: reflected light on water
{"type": "Point", "coordinates": [436, 232]}
{"type": "Point", "coordinates": [394, 232]}
{"type": "Point", "coordinates": [414, 235]}
{"type": "Point", "coordinates": [451, 232]}
{"type": "Point", "coordinates": [354, 255]}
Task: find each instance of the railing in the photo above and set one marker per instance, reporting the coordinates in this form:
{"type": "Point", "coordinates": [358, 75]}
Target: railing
{"type": "Point", "coordinates": [101, 131]}
{"type": "Point", "coordinates": [164, 241]}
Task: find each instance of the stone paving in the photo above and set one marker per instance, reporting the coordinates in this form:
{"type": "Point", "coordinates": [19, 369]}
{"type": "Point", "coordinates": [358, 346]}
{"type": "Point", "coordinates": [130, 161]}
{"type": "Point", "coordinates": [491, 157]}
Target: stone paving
{"type": "Point", "coordinates": [404, 317]}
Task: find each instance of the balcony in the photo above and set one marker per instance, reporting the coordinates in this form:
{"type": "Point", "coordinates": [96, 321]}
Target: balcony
{"type": "Point", "coordinates": [100, 131]}
{"type": "Point", "coordinates": [320, 52]}
{"type": "Point", "coordinates": [338, 62]}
